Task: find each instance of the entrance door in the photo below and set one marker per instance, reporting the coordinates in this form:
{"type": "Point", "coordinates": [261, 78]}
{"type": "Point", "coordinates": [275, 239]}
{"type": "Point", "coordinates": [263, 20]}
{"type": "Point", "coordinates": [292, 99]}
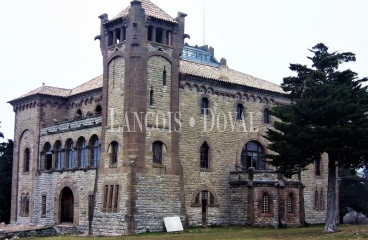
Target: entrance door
{"type": "Point", "coordinates": [66, 205]}
{"type": "Point", "coordinates": [204, 212]}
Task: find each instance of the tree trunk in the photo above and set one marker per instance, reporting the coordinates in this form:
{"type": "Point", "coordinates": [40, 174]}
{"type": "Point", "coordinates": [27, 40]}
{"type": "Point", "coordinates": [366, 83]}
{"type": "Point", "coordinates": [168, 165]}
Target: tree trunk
{"type": "Point", "coordinates": [330, 225]}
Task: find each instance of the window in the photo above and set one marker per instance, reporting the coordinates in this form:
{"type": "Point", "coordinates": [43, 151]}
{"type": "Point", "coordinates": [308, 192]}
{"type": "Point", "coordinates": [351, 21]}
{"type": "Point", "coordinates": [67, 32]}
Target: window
{"type": "Point", "coordinates": [204, 195]}
{"type": "Point", "coordinates": [95, 151]}
{"type": "Point", "coordinates": [204, 106]}
{"type": "Point", "coordinates": [316, 200]}
{"type": "Point", "coordinates": [24, 205]}
{"type": "Point", "coordinates": [111, 198]}
{"type": "Point", "coordinates": [151, 97]}
{"type": "Point", "coordinates": [239, 111]}
{"type": "Point", "coordinates": [114, 153]}
{"type": "Point", "coordinates": [78, 114]}
{"type": "Point", "coordinates": [58, 155]}
{"type": "Point", "coordinates": [26, 159]}
{"type": "Point", "coordinates": [47, 157]}
{"type": "Point", "coordinates": [157, 152]}
{"type": "Point", "coordinates": [252, 156]}
{"type": "Point", "coordinates": [82, 153]}
{"type": "Point", "coordinates": [43, 206]}
{"type": "Point", "coordinates": [164, 76]}
{"type": "Point", "coordinates": [90, 206]}
{"type": "Point", "coordinates": [290, 200]}
{"type": "Point", "coordinates": [98, 110]}
{"type": "Point", "coordinates": [159, 35]}
{"type": "Point", "coordinates": [265, 203]}
{"type": "Point", "coordinates": [266, 116]}
{"type": "Point", "coordinates": [318, 167]}
{"type": "Point", "coordinates": [204, 150]}
{"type": "Point", "coordinates": [70, 154]}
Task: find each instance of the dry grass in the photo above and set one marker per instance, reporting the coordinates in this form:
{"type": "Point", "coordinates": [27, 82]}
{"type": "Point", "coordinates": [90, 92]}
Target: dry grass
{"type": "Point", "coordinates": [234, 233]}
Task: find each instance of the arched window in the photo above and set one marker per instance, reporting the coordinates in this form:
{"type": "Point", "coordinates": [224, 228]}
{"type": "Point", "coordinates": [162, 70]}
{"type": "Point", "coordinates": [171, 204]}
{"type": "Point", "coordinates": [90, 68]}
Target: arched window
{"type": "Point", "coordinates": [266, 116]}
{"type": "Point", "coordinates": [47, 156]}
{"type": "Point", "coordinates": [290, 203]}
{"type": "Point", "coordinates": [26, 210]}
{"type": "Point", "coordinates": [70, 153]}
{"type": "Point", "coordinates": [114, 149]}
{"type": "Point", "coordinates": [98, 110]}
{"type": "Point", "coordinates": [95, 151]}
{"type": "Point", "coordinates": [252, 156]}
{"type": "Point", "coordinates": [157, 152]}
{"type": "Point", "coordinates": [204, 106]}
{"type": "Point", "coordinates": [205, 195]}
{"type": "Point", "coordinates": [204, 155]}
{"type": "Point", "coordinates": [316, 200]}
{"type": "Point", "coordinates": [82, 153]}
{"type": "Point", "coordinates": [58, 155]}
{"type": "Point", "coordinates": [26, 159]}
{"type": "Point", "coordinates": [265, 203]}
{"type": "Point", "coordinates": [78, 114]}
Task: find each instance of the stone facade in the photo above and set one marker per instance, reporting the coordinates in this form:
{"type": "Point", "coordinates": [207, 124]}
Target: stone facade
{"type": "Point", "coordinates": [164, 129]}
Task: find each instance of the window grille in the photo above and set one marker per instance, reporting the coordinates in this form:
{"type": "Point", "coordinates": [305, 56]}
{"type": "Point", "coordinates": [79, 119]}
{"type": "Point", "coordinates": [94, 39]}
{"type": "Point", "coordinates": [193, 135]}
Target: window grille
{"type": "Point", "coordinates": [265, 203]}
{"type": "Point", "coordinates": [290, 203]}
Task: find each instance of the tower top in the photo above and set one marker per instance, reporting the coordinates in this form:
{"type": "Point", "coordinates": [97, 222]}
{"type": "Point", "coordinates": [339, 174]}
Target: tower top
{"type": "Point", "coordinates": [150, 9]}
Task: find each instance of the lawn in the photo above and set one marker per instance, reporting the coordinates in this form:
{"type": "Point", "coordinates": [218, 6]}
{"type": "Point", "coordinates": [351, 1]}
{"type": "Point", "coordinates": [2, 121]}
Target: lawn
{"type": "Point", "coordinates": [313, 232]}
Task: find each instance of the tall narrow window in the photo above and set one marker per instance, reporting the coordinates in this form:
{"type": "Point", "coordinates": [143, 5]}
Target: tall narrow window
{"type": "Point", "coordinates": [43, 206]}
{"type": "Point", "coordinates": [321, 200]}
{"type": "Point", "coordinates": [114, 153]}
{"type": "Point", "coordinates": [265, 203]}
{"type": "Point", "coordinates": [151, 97]}
{"type": "Point", "coordinates": [116, 197]}
{"type": "Point", "coordinates": [316, 200]}
{"type": "Point", "coordinates": [204, 106]}
{"type": "Point", "coordinates": [252, 156]}
{"type": "Point", "coordinates": [164, 76]}
{"type": "Point", "coordinates": [26, 209]}
{"type": "Point", "coordinates": [106, 196]}
{"type": "Point", "coordinates": [318, 167]}
{"type": "Point", "coordinates": [157, 152]}
{"type": "Point", "coordinates": [204, 150]}
{"type": "Point", "coordinates": [266, 116]}
{"type": "Point", "coordinates": [111, 191]}
{"type": "Point", "coordinates": [239, 111]}
{"type": "Point", "coordinates": [90, 206]}
{"type": "Point", "coordinates": [48, 156]}
{"type": "Point", "coordinates": [95, 151]}
{"type": "Point", "coordinates": [26, 160]}
{"type": "Point", "coordinates": [290, 203]}
{"type": "Point", "coordinates": [58, 155]}
{"type": "Point", "coordinates": [82, 153]}
{"type": "Point", "coordinates": [70, 154]}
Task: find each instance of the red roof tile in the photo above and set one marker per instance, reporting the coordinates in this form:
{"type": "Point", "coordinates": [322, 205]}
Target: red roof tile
{"type": "Point", "coordinates": [206, 71]}
{"type": "Point", "coordinates": [150, 9]}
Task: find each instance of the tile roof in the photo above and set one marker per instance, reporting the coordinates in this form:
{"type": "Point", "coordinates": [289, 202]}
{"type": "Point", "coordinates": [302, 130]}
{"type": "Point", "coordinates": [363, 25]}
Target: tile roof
{"type": "Point", "coordinates": [90, 85]}
{"type": "Point", "coordinates": [210, 72]}
{"type": "Point", "coordinates": [95, 83]}
{"type": "Point", "coordinates": [150, 9]}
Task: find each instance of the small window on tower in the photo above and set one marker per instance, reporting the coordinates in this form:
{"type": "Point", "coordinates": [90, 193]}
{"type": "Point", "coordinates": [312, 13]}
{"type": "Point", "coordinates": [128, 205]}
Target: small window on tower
{"type": "Point", "coordinates": [164, 76]}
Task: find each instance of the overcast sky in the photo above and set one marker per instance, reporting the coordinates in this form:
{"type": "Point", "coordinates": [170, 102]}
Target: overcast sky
{"type": "Point", "coordinates": [52, 41]}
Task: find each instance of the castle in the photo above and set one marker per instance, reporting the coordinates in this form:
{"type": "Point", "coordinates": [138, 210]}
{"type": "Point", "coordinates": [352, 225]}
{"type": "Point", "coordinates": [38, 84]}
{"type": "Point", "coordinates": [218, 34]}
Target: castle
{"type": "Point", "coordinates": [166, 130]}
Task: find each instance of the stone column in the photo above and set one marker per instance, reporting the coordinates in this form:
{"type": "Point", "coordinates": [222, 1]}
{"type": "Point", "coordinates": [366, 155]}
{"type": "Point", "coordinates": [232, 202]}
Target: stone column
{"type": "Point", "coordinates": [163, 38]}
{"type": "Point", "coordinates": [114, 37]}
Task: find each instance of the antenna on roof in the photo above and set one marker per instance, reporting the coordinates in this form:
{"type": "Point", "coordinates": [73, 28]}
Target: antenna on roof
{"type": "Point", "coordinates": [204, 24]}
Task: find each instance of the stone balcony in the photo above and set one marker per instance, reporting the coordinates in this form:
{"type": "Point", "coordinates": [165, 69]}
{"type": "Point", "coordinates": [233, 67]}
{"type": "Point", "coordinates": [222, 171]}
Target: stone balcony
{"type": "Point", "coordinates": [251, 177]}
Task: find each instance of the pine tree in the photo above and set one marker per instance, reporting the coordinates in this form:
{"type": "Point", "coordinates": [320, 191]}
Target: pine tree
{"type": "Point", "coordinates": [327, 114]}
{"type": "Point", "coordinates": [6, 163]}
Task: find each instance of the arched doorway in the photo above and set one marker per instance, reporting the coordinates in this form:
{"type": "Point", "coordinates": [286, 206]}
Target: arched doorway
{"type": "Point", "coordinates": [66, 206]}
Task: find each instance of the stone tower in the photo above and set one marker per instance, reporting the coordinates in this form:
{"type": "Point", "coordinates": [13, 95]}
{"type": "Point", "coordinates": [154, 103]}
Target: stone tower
{"type": "Point", "coordinates": [141, 50]}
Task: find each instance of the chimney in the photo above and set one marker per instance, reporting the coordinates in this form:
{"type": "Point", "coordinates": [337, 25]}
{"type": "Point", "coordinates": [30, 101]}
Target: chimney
{"type": "Point", "coordinates": [223, 70]}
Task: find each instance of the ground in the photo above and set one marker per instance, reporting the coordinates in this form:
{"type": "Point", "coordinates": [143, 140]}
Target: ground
{"type": "Point", "coordinates": [313, 232]}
